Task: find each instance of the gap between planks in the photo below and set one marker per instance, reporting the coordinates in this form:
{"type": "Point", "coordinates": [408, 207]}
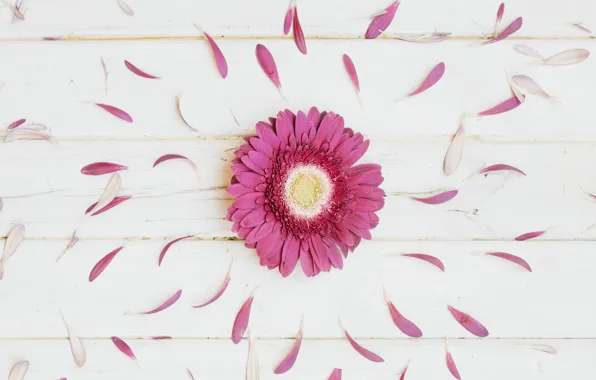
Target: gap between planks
{"type": "Point", "coordinates": [237, 239]}
{"type": "Point", "coordinates": [360, 338]}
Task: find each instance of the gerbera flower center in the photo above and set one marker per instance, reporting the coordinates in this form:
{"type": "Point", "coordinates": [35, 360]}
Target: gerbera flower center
{"type": "Point", "coordinates": [307, 190]}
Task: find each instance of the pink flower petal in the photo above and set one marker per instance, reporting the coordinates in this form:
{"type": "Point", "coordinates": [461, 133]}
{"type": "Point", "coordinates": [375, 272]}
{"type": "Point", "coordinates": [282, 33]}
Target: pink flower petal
{"type": "Point", "coordinates": [192, 377]}
{"type": "Point", "coordinates": [76, 346]}
{"type": "Point", "coordinates": [71, 243]}
{"type": "Point", "coordinates": [167, 157]}
{"type": "Point", "coordinates": [120, 114]}
{"type": "Point", "coordinates": [438, 198]}
{"type": "Point", "coordinates": [568, 57]}
{"type": "Point", "coordinates": [99, 168]}
{"type": "Point", "coordinates": [18, 370]}
{"type": "Point", "coordinates": [335, 374]}
{"type": "Point", "coordinates": [161, 337]}
{"type": "Point", "coordinates": [530, 235]}
{"type": "Point", "coordinates": [179, 110]}
{"type": "Point", "coordinates": [103, 264]}
{"type": "Point", "coordinates": [531, 86]}
{"type": "Point", "coordinates": [579, 26]}
{"type": "Point", "coordinates": [220, 60]}
{"type": "Point", "coordinates": [515, 91]}
{"type": "Point", "coordinates": [500, 12]}
{"type": "Point", "coordinates": [505, 106]}
{"type": "Point", "coordinates": [125, 8]}
{"type": "Point", "coordinates": [428, 258]}
{"type": "Point", "coordinates": [26, 134]}
{"type": "Point", "coordinates": [431, 79]}
{"type": "Point", "coordinates": [288, 362]}
{"type": "Point", "coordinates": [298, 33]}
{"type": "Point", "coordinates": [501, 167]}
{"type": "Point", "coordinates": [382, 21]}
{"type": "Point", "coordinates": [219, 293]}
{"type": "Point", "coordinates": [13, 241]}
{"type": "Point", "coordinates": [288, 18]}
{"type": "Point", "coordinates": [426, 38]}
{"type": "Point", "coordinates": [109, 194]}
{"type": "Point", "coordinates": [451, 365]}
{"type": "Point", "coordinates": [509, 30]}
{"type": "Point", "coordinates": [351, 70]}
{"type": "Point", "coordinates": [115, 202]}
{"type": "Point", "coordinates": [545, 348]}
{"type": "Point", "coordinates": [402, 376]}
{"type": "Point", "coordinates": [16, 123]}
{"type": "Point", "coordinates": [169, 245]}
{"type": "Point", "coordinates": [529, 51]}
{"type": "Point", "coordinates": [241, 321]}
{"type": "Point", "coordinates": [455, 151]}
{"type": "Point", "coordinates": [402, 323]}
{"type": "Point", "coordinates": [123, 347]}
{"type": "Point", "coordinates": [268, 64]}
{"type": "Point", "coordinates": [169, 302]}
{"type": "Point", "coordinates": [469, 323]}
{"type": "Point", "coordinates": [361, 350]}
{"type": "Point", "coordinates": [137, 71]}
{"type": "Point", "coordinates": [514, 259]}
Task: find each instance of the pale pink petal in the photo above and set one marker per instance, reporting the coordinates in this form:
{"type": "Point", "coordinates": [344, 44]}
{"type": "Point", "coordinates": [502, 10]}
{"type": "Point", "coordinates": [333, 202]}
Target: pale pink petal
{"type": "Point", "coordinates": [527, 50]}
{"type": "Point", "coordinates": [18, 370]}
{"type": "Point", "coordinates": [455, 151]}
{"type": "Point", "coordinates": [568, 57]}
{"type": "Point", "coordinates": [109, 194]}
{"type": "Point", "coordinates": [531, 86]}
{"type": "Point", "coordinates": [509, 30]}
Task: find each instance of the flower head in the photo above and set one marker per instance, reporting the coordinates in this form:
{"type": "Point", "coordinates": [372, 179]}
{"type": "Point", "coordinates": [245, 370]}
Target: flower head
{"type": "Point", "coordinates": [298, 195]}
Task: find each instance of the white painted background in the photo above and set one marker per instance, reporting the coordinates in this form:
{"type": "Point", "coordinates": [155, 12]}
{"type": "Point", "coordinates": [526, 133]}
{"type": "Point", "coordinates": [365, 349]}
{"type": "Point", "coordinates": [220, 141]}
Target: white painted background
{"type": "Point", "coordinates": [52, 82]}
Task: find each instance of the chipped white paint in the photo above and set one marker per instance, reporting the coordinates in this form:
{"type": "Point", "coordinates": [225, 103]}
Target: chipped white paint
{"type": "Point", "coordinates": [54, 83]}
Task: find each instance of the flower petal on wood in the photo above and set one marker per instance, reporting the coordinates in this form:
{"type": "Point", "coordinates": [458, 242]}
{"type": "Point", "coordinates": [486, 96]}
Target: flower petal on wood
{"type": "Point", "coordinates": [500, 167]}
{"type": "Point", "coordinates": [103, 264]}
{"type": "Point", "coordinates": [531, 86]}
{"type": "Point", "coordinates": [119, 113]}
{"type": "Point", "coordinates": [428, 258]}
{"type": "Point", "coordinates": [431, 79]}
{"type": "Point", "coordinates": [298, 33]}
{"type": "Point", "coordinates": [568, 57]}
{"type": "Point", "coordinates": [137, 71]}
{"type": "Point", "coordinates": [455, 151]}
{"type": "Point", "coordinates": [382, 21]}
{"type": "Point", "coordinates": [451, 365]}
{"type": "Point", "coordinates": [530, 235]}
{"type": "Point", "coordinates": [123, 347]}
{"type": "Point", "coordinates": [241, 321]}
{"type": "Point", "coordinates": [438, 198]}
{"type": "Point", "coordinates": [76, 346]}
{"type": "Point", "coordinates": [16, 123]}
{"type": "Point", "coordinates": [169, 302]}
{"type": "Point", "coordinates": [402, 323]}
{"type": "Point", "coordinates": [288, 18]}
{"type": "Point", "coordinates": [115, 202]}
{"type": "Point", "coordinates": [513, 258]}
{"type": "Point", "coordinates": [220, 292]}
{"type": "Point", "coordinates": [268, 64]}
{"type": "Point", "coordinates": [505, 106]}
{"type": "Point", "coordinates": [26, 134]}
{"type": "Point", "coordinates": [509, 30]}
{"type": "Point", "coordinates": [527, 50]}
{"type": "Point", "coordinates": [169, 245]}
{"type": "Point", "coordinates": [99, 168]}
{"type": "Point", "coordinates": [220, 60]}
{"type": "Point", "coordinates": [109, 194]}
{"type": "Point", "coordinates": [335, 374]}
{"type": "Point", "coordinates": [288, 362]}
{"type": "Point", "coordinates": [167, 157]}
{"type": "Point", "coordinates": [18, 370]}
{"type": "Point", "coordinates": [469, 323]}
{"type": "Point", "coordinates": [361, 350]}
{"type": "Point", "coordinates": [179, 110]}
{"type": "Point", "coordinates": [351, 70]}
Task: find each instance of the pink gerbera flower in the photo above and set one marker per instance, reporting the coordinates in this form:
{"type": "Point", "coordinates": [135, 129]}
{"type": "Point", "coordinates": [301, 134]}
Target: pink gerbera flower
{"type": "Point", "coordinates": [298, 197]}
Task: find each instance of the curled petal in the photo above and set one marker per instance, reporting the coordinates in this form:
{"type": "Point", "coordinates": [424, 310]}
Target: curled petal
{"type": "Point", "coordinates": [455, 151]}
{"type": "Point", "coordinates": [361, 350]}
{"type": "Point", "coordinates": [501, 167]}
{"type": "Point", "coordinates": [298, 33]}
{"type": "Point", "coordinates": [169, 245]}
{"type": "Point", "coordinates": [220, 60]}
{"type": "Point", "coordinates": [135, 70]}
{"type": "Point", "coordinates": [115, 202]}
{"type": "Point", "coordinates": [505, 106]}
{"type": "Point", "coordinates": [120, 114]}
{"type": "Point", "coordinates": [103, 264]}
{"type": "Point", "coordinates": [438, 198]}
{"type": "Point", "coordinates": [428, 258]}
{"type": "Point", "coordinates": [18, 370]}
{"type": "Point", "coordinates": [169, 302]}
{"type": "Point", "coordinates": [335, 374]}
{"type": "Point", "coordinates": [219, 293]}
{"type": "Point", "coordinates": [514, 259]}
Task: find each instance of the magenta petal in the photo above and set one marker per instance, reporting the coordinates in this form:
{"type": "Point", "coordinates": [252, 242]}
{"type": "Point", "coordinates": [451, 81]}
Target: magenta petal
{"type": "Point", "coordinates": [255, 218]}
{"type": "Point", "coordinates": [241, 321]}
{"type": "Point", "coordinates": [381, 22]}
{"type": "Point", "coordinates": [103, 264]}
{"type": "Point", "coordinates": [363, 351]}
{"type": "Point", "coordinates": [298, 33]}
{"type": "Point", "coordinates": [509, 30]}
{"type": "Point", "coordinates": [249, 179]}
{"type": "Point", "coordinates": [433, 77]}
{"type": "Point", "coordinates": [268, 64]}
{"type": "Point", "coordinates": [335, 374]}
{"type": "Point", "coordinates": [469, 323]}
{"type": "Point", "coordinates": [288, 18]}
{"type": "Point", "coordinates": [513, 258]}
{"type": "Point", "coordinates": [351, 70]}
{"type": "Point", "coordinates": [220, 60]}
{"type": "Point", "coordinates": [428, 258]}
{"type": "Point", "coordinates": [237, 190]}
{"type": "Point", "coordinates": [403, 324]}
{"type": "Point", "coordinates": [288, 362]}
{"type": "Point", "coordinates": [505, 106]}
{"type": "Point", "coordinates": [247, 200]}
{"type": "Point", "coordinates": [451, 365]}
{"type": "Point", "coordinates": [437, 199]}
{"type": "Point", "coordinates": [530, 235]}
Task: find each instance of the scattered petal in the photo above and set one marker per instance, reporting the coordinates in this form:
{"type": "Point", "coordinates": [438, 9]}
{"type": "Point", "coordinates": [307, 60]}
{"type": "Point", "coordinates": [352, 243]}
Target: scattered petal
{"type": "Point", "coordinates": [26, 134]}
{"type": "Point", "coordinates": [241, 321]}
{"type": "Point", "coordinates": [252, 362]}
{"type": "Point", "coordinates": [455, 151]}
{"type": "Point", "coordinates": [115, 202]}
{"type": "Point", "coordinates": [109, 194]}
{"type": "Point", "coordinates": [105, 74]}
{"type": "Point", "coordinates": [15, 11]}
{"type": "Point", "coordinates": [99, 168]}
{"type": "Point", "coordinates": [268, 64]}
{"type": "Point", "coordinates": [335, 374]}
{"type": "Point", "coordinates": [361, 350]}
{"type": "Point", "coordinates": [137, 71]}
{"type": "Point", "coordinates": [103, 264]}
{"type": "Point", "coordinates": [509, 30]}
{"type": "Point", "coordinates": [73, 241]}
{"type": "Point", "coordinates": [220, 292]}
{"type": "Point", "coordinates": [544, 348]}
{"type": "Point", "coordinates": [298, 33]}
{"type": "Point", "coordinates": [192, 377]}
{"type": "Point", "coordinates": [125, 8]}
{"type": "Point", "coordinates": [451, 365]}
{"type": "Point", "coordinates": [431, 79]}
{"type": "Point", "coordinates": [469, 323]}
{"type": "Point", "coordinates": [427, 38]}
{"type": "Point", "coordinates": [514, 259]}
{"type": "Point", "coordinates": [288, 362]}
{"type": "Point", "coordinates": [501, 167]}
{"type": "Point", "coordinates": [123, 347]}
{"type": "Point", "coordinates": [428, 258]}
{"type": "Point", "coordinates": [438, 198]}
{"type": "Point", "coordinates": [514, 90]}
{"type": "Point", "coordinates": [169, 245]}
{"type": "Point", "coordinates": [161, 337]}
{"type": "Point", "coordinates": [18, 370]}
{"type": "Point", "coordinates": [351, 70]}
{"type": "Point", "coordinates": [530, 235]}
{"type": "Point", "coordinates": [579, 26]}
{"type": "Point", "coordinates": [288, 18]}
{"type": "Point", "coordinates": [529, 51]}
{"type": "Point", "coordinates": [16, 123]}
{"type": "Point", "coordinates": [568, 57]}
{"type": "Point", "coordinates": [13, 241]}
{"type": "Point", "coordinates": [500, 12]}
{"type": "Point", "coordinates": [402, 323]}
{"type": "Point", "coordinates": [502, 107]}
{"type": "Point", "coordinates": [35, 127]}
{"type": "Point", "coordinates": [531, 86]}
{"type": "Point", "coordinates": [1, 204]}
{"type": "Point", "coordinates": [179, 109]}
{"type": "Point", "coordinates": [167, 157]}
{"type": "Point", "coordinates": [220, 60]}
{"type": "Point", "coordinates": [76, 346]}
{"type": "Point", "coordinates": [382, 21]}
{"type": "Point", "coordinates": [402, 376]}
{"type": "Point", "coordinates": [120, 114]}
{"type": "Point", "coordinates": [169, 302]}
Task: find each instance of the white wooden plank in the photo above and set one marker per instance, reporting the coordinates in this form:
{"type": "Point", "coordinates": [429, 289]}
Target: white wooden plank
{"type": "Point", "coordinates": [265, 17]}
{"type": "Point", "coordinates": [550, 302]}
{"type": "Point", "coordinates": [43, 189]}
{"type": "Point", "coordinates": [221, 360]}
{"type": "Point", "coordinates": [55, 83]}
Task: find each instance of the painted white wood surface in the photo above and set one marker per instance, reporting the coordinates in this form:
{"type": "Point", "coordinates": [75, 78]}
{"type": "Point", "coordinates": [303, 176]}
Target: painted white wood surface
{"type": "Point", "coordinates": [55, 82]}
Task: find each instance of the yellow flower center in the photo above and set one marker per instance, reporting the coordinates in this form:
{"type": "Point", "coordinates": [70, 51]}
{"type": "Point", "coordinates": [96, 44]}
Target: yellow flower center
{"type": "Point", "coordinates": [307, 190]}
